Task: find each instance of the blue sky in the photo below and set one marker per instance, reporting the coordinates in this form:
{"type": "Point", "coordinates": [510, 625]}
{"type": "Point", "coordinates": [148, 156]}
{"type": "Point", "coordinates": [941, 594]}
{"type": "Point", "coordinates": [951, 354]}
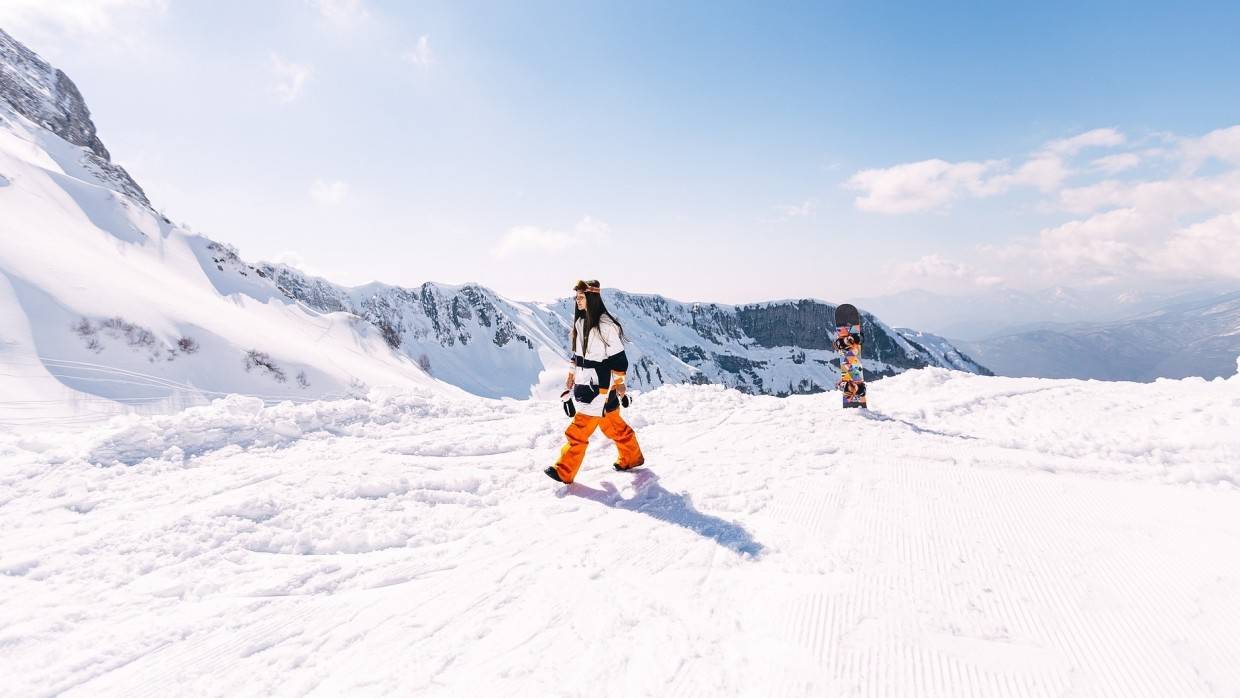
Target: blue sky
{"type": "Point", "coordinates": [715, 151]}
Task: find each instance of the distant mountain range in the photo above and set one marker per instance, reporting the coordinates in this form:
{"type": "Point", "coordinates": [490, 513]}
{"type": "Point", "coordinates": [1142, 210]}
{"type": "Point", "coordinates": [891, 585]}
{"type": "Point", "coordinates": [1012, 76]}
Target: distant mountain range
{"type": "Point", "coordinates": [473, 338]}
{"type": "Point", "coordinates": [1200, 338]}
{"type": "Point", "coordinates": [1004, 311]}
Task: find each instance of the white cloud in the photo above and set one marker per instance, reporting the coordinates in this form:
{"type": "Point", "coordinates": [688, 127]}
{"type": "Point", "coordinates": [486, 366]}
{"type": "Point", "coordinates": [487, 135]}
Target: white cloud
{"type": "Point", "coordinates": [1178, 226]}
{"type": "Point", "coordinates": [1140, 246]}
{"type": "Point", "coordinates": [1114, 164]}
{"type": "Point", "coordinates": [1182, 228]}
{"type": "Point", "coordinates": [933, 184]}
{"type": "Point", "coordinates": [1043, 172]}
{"type": "Point", "coordinates": [1097, 138]}
{"type": "Point", "coordinates": [71, 17]}
{"type": "Point", "coordinates": [1209, 248]}
{"type": "Point", "coordinates": [528, 238]}
{"type": "Point", "coordinates": [917, 186]}
{"type": "Point", "coordinates": [342, 13]}
{"type": "Point", "coordinates": [1106, 241]}
{"type": "Point", "coordinates": [290, 78]}
{"type": "Point", "coordinates": [1094, 196]}
{"type": "Point", "coordinates": [1177, 195]}
{"type": "Point", "coordinates": [1222, 144]}
{"type": "Point", "coordinates": [936, 266]}
{"type": "Point", "coordinates": [329, 193]}
{"type": "Point", "coordinates": [801, 210]}
{"type": "Point", "coordinates": [935, 271]}
{"type": "Point", "coordinates": [421, 55]}
{"type": "Point", "coordinates": [592, 228]}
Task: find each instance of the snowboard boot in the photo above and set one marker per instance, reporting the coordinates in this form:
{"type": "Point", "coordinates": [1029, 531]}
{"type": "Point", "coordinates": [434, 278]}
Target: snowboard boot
{"type": "Point", "coordinates": [554, 474]}
{"type": "Point", "coordinates": [622, 468]}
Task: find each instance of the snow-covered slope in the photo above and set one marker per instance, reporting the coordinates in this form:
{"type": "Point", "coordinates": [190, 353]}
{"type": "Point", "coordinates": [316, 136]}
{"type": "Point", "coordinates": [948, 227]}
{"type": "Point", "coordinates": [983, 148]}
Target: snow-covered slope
{"type": "Point", "coordinates": [1201, 338]}
{"type": "Point", "coordinates": [969, 537]}
{"type": "Point", "coordinates": [944, 351]}
{"type": "Point", "coordinates": [105, 303]}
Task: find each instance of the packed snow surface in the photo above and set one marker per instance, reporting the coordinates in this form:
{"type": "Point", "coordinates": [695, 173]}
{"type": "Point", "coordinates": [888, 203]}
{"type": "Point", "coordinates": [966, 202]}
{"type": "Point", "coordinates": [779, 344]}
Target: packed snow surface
{"type": "Point", "coordinates": [969, 536]}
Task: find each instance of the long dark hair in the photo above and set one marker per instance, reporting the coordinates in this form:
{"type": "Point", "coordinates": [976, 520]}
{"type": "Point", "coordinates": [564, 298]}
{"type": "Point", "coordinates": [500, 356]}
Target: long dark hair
{"type": "Point", "coordinates": [595, 310]}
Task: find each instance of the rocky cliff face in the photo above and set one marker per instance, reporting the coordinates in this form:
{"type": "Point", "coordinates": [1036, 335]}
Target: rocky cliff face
{"type": "Point", "coordinates": [447, 316]}
{"type": "Point", "coordinates": [47, 97]}
{"type": "Point", "coordinates": [810, 324]}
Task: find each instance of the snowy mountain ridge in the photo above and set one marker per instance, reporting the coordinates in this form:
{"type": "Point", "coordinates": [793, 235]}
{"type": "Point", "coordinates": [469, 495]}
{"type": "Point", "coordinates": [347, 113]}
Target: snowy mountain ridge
{"type": "Point", "coordinates": [776, 347]}
{"type": "Point", "coordinates": [47, 97]}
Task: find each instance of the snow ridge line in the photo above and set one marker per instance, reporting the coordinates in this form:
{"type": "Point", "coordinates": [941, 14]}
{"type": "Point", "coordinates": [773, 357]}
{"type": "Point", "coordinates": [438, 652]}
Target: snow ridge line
{"type": "Point", "coordinates": [212, 650]}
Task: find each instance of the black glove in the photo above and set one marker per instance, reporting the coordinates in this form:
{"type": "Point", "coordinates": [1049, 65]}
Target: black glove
{"type": "Point", "coordinates": [566, 398]}
{"type": "Point", "coordinates": [585, 393]}
{"type": "Point", "coordinates": [614, 402]}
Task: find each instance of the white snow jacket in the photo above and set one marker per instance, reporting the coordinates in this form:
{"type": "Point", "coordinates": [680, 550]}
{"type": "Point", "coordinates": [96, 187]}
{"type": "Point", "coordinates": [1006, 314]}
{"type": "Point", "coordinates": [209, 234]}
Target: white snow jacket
{"type": "Point", "coordinates": [598, 365]}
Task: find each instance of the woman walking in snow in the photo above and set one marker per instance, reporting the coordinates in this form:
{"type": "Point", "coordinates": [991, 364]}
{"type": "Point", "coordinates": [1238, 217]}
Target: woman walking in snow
{"type": "Point", "coordinates": [597, 381]}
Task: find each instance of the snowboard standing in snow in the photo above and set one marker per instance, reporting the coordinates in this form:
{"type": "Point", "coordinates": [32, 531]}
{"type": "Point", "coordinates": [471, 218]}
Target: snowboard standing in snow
{"type": "Point", "coordinates": [848, 340]}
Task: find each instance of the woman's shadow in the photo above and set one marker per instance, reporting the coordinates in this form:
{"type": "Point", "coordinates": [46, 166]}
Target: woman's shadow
{"type": "Point", "coordinates": [652, 499]}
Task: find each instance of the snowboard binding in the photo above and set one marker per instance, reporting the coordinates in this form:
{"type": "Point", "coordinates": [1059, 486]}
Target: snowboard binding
{"type": "Point", "coordinates": [848, 341]}
{"type": "Point", "coordinates": [851, 389]}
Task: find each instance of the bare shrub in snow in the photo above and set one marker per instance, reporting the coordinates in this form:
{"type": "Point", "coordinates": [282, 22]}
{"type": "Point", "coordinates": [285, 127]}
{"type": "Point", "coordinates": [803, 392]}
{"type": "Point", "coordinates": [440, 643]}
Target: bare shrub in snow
{"type": "Point", "coordinates": [83, 328]}
{"type": "Point", "coordinates": [187, 345]}
{"type": "Point", "coordinates": [255, 358]}
{"type": "Point", "coordinates": [424, 363]}
{"type": "Point", "coordinates": [302, 380]}
{"type": "Point", "coordinates": [135, 335]}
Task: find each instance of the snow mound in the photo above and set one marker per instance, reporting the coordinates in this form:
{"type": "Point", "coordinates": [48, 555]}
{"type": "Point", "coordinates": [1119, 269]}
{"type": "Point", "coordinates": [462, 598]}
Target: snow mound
{"type": "Point", "coordinates": [1119, 429]}
{"type": "Point", "coordinates": [240, 422]}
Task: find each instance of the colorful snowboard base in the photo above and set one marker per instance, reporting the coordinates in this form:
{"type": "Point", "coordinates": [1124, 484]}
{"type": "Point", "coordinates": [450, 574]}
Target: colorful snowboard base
{"type": "Point", "coordinates": [848, 338]}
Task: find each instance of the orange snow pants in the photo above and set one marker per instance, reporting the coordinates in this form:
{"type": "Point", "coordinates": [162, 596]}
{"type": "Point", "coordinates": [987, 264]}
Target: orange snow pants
{"type": "Point", "coordinates": [578, 433]}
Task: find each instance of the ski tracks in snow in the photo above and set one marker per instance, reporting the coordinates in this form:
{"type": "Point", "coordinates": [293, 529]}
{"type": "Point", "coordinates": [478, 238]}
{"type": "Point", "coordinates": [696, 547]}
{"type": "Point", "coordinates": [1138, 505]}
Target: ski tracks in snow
{"type": "Point", "coordinates": [769, 547]}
